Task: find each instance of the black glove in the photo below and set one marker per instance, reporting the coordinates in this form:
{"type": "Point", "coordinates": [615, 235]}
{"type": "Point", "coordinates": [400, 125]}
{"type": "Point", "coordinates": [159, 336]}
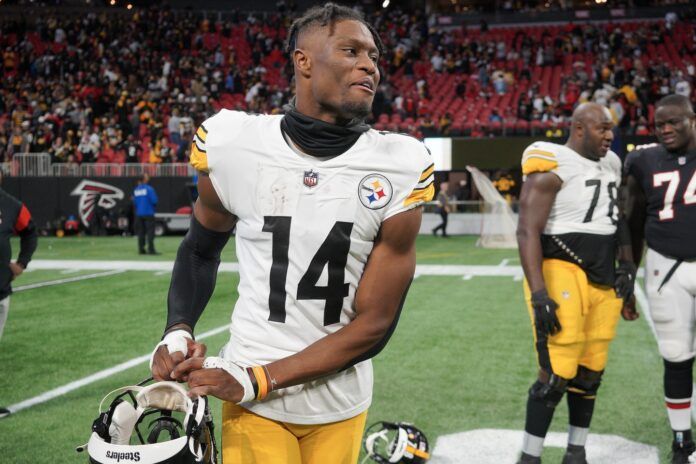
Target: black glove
{"type": "Point", "coordinates": [625, 279]}
{"type": "Point", "coordinates": [545, 317]}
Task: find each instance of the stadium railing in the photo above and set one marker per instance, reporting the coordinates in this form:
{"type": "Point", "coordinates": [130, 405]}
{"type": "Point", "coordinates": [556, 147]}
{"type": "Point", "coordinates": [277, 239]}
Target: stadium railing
{"type": "Point", "coordinates": [40, 165]}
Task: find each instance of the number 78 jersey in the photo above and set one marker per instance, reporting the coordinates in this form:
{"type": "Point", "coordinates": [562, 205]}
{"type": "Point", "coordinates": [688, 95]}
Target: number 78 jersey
{"type": "Point", "coordinates": [583, 218]}
{"type": "Point", "coordinates": [305, 229]}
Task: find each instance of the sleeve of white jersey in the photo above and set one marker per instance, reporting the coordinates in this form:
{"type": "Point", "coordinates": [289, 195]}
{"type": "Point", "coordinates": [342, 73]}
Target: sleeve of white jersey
{"type": "Point", "coordinates": [212, 150]}
{"type": "Point", "coordinates": [417, 187]}
{"type": "Point", "coordinates": [544, 157]}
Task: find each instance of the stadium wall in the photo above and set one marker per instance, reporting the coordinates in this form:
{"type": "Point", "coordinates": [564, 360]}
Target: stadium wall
{"type": "Point", "coordinates": [50, 198]}
{"type": "Point", "coordinates": [505, 152]}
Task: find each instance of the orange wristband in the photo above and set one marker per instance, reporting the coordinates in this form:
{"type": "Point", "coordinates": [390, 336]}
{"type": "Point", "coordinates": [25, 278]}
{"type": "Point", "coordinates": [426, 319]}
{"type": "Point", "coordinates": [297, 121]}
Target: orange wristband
{"type": "Point", "coordinates": [262, 382]}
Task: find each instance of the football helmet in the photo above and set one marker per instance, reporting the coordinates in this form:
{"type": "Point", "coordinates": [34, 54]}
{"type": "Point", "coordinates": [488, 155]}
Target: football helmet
{"type": "Point", "coordinates": [391, 443]}
{"type": "Point", "coordinates": [165, 439]}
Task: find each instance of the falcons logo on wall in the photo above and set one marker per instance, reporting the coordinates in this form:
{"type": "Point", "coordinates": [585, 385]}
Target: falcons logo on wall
{"type": "Point", "coordinates": [91, 193]}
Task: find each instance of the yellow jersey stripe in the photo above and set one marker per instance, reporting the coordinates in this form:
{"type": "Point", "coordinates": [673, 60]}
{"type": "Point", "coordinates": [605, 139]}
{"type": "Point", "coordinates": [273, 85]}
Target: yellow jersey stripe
{"type": "Point", "coordinates": [536, 151]}
{"type": "Point", "coordinates": [417, 452]}
{"type": "Point", "coordinates": [536, 155]}
{"type": "Point", "coordinates": [198, 159]}
{"type": "Point", "coordinates": [421, 195]}
{"type": "Point", "coordinates": [537, 164]}
{"type": "Point", "coordinates": [201, 133]}
{"type": "Point", "coordinates": [427, 173]}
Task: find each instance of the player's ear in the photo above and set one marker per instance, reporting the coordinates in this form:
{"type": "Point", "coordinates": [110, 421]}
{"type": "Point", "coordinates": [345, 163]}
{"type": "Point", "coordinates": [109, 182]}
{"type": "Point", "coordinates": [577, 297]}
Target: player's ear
{"type": "Point", "coordinates": [302, 61]}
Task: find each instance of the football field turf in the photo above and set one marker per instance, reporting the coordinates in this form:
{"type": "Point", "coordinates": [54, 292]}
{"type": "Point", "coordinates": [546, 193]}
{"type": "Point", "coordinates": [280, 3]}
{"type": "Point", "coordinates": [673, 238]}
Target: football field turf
{"type": "Point", "coordinates": [461, 358]}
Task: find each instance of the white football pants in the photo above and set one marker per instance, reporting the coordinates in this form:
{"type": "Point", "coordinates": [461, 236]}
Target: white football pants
{"type": "Point", "coordinates": [4, 309]}
{"type": "Point", "coordinates": [673, 308]}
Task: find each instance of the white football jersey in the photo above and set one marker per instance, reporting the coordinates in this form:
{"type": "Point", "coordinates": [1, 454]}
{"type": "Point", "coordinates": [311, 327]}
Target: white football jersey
{"type": "Point", "coordinates": [305, 229]}
{"type": "Point", "coordinates": [588, 199]}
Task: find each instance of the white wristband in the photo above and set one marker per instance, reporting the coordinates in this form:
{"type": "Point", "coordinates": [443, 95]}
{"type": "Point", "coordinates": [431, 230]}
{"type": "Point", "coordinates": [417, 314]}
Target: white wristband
{"type": "Point", "coordinates": [175, 341]}
{"type": "Point", "coordinates": [239, 374]}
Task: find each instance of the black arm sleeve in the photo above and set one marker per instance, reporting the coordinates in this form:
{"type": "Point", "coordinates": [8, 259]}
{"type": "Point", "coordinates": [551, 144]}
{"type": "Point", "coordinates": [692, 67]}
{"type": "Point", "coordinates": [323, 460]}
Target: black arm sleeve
{"type": "Point", "coordinates": [623, 233]}
{"type": "Point", "coordinates": [28, 241]}
{"type": "Point", "coordinates": [194, 274]}
{"type": "Point", "coordinates": [379, 346]}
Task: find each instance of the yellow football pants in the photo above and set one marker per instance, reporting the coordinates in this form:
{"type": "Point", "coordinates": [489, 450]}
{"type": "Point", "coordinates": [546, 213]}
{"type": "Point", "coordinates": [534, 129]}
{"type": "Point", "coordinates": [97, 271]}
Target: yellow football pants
{"type": "Point", "coordinates": [588, 314]}
{"type": "Point", "coordinates": [248, 438]}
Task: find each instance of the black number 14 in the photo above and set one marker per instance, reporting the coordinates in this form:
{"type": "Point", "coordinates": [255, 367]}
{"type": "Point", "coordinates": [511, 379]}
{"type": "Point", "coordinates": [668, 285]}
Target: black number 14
{"type": "Point", "coordinates": [333, 252]}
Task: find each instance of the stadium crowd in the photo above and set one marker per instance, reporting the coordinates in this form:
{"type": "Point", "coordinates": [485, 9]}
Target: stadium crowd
{"type": "Point", "coordinates": [132, 87]}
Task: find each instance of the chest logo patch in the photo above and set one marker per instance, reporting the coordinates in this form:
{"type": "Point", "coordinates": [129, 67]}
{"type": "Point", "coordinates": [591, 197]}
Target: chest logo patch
{"type": "Point", "coordinates": [375, 191]}
{"type": "Point", "coordinates": [311, 178]}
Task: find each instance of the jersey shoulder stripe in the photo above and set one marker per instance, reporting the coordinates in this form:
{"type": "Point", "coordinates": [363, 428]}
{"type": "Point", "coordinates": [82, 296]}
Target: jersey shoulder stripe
{"type": "Point", "coordinates": [427, 172]}
{"type": "Point", "coordinates": [539, 157]}
{"type": "Point", "coordinates": [421, 195]}
{"type": "Point", "coordinates": [223, 126]}
{"type": "Point", "coordinates": [417, 170]}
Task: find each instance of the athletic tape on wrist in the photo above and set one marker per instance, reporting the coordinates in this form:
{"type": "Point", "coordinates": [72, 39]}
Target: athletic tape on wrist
{"type": "Point", "coordinates": [239, 374]}
{"type": "Point", "coordinates": [175, 341]}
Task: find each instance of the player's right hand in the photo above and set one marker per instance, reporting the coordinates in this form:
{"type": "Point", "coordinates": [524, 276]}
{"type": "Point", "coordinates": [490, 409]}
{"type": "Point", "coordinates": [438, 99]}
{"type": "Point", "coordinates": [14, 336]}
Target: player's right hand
{"type": "Point", "coordinates": [176, 347]}
{"type": "Point", "coordinates": [545, 318]}
{"type": "Point", "coordinates": [629, 311]}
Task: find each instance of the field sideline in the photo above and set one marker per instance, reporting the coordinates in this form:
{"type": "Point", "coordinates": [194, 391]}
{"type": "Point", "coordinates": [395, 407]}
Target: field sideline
{"type": "Point", "coordinates": [460, 360]}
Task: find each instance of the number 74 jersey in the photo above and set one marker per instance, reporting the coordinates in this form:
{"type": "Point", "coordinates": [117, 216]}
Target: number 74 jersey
{"type": "Point", "coordinates": [305, 229]}
{"type": "Point", "coordinates": [582, 221]}
{"type": "Point", "coordinates": [669, 183]}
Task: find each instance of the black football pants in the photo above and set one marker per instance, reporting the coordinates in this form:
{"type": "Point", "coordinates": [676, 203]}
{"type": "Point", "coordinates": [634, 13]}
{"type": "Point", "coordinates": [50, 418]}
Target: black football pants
{"type": "Point", "coordinates": [145, 225]}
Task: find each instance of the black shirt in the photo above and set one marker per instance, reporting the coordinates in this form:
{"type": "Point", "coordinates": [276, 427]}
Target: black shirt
{"type": "Point", "coordinates": [669, 183]}
{"type": "Point", "coordinates": [14, 218]}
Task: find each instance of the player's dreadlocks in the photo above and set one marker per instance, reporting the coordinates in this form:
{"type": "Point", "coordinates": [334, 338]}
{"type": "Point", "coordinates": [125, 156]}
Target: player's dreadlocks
{"type": "Point", "coordinates": [327, 15]}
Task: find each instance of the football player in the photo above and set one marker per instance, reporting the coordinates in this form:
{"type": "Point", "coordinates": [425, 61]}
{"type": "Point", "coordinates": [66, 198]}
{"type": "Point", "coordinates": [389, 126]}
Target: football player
{"type": "Point", "coordinates": [661, 208]}
{"type": "Point", "coordinates": [570, 233]}
{"type": "Point", "coordinates": [326, 213]}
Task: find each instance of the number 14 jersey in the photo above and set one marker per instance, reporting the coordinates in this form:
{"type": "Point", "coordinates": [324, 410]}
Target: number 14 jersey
{"type": "Point", "coordinates": [305, 229]}
{"type": "Point", "coordinates": [582, 221]}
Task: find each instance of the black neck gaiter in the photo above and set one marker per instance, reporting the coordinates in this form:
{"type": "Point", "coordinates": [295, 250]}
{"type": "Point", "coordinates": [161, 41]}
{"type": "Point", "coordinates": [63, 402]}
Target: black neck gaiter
{"type": "Point", "coordinates": [319, 138]}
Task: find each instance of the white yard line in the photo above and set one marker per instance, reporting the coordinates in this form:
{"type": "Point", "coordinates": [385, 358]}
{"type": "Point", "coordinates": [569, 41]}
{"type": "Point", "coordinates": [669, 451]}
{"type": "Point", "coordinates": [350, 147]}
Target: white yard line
{"type": "Point", "coordinates": [67, 388]}
{"type": "Point", "coordinates": [89, 265]}
{"type": "Point", "coordinates": [67, 280]}
{"type": "Point", "coordinates": [116, 267]}
{"type": "Point", "coordinates": [166, 266]}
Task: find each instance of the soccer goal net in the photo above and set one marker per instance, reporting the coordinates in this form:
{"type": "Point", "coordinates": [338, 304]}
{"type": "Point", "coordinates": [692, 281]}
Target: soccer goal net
{"type": "Point", "coordinates": [498, 222]}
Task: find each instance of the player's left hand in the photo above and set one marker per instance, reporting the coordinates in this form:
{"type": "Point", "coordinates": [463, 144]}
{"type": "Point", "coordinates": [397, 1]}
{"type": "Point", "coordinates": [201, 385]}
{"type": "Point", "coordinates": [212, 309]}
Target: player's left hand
{"type": "Point", "coordinates": [625, 280]}
{"type": "Point", "coordinates": [203, 381]}
{"type": "Point", "coordinates": [629, 311]}
{"type": "Point", "coordinates": [16, 270]}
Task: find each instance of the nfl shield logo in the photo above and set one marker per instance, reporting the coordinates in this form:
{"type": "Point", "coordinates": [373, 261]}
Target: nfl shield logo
{"type": "Point", "coordinates": [311, 178]}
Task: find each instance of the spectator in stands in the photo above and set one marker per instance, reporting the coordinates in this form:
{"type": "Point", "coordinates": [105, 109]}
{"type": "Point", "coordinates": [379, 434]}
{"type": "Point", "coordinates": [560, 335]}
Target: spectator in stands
{"type": "Point", "coordinates": [15, 219]}
{"type": "Point", "coordinates": [499, 83]}
{"type": "Point", "coordinates": [437, 61]}
{"type": "Point", "coordinates": [132, 148]}
{"type": "Point", "coordinates": [144, 203]}
{"type": "Point", "coordinates": [174, 127]}
{"type": "Point", "coordinates": [78, 81]}
{"type": "Point", "coordinates": [445, 123]}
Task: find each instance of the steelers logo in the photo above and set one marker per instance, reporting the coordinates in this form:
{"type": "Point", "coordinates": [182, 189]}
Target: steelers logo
{"type": "Point", "coordinates": [375, 191]}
